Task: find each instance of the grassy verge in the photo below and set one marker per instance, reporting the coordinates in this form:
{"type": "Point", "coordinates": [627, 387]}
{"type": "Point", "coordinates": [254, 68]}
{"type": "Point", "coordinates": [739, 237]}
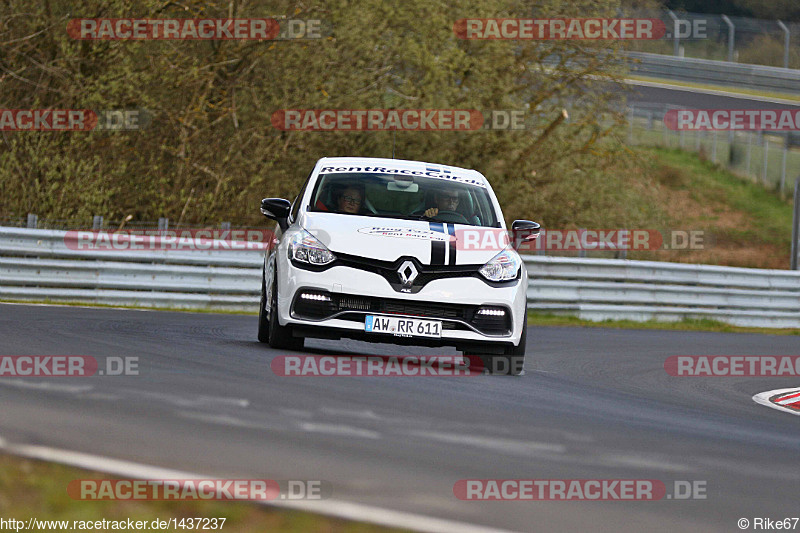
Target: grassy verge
{"type": "Point", "coordinates": [746, 225]}
{"type": "Point", "coordinates": [35, 489]}
{"type": "Point", "coordinates": [687, 324]}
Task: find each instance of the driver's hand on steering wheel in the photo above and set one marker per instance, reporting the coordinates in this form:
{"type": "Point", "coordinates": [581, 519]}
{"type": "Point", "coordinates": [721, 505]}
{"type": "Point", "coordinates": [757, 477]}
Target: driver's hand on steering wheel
{"type": "Point", "coordinates": [431, 212]}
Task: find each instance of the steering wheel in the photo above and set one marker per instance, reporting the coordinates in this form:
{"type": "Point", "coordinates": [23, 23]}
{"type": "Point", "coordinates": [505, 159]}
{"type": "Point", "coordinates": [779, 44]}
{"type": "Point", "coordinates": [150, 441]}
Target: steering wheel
{"type": "Point", "coordinates": [451, 216]}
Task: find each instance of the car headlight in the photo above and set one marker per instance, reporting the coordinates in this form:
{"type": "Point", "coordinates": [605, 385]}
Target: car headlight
{"type": "Point", "coordinates": [305, 248]}
{"type": "Point", "coordinates": [502, 267]}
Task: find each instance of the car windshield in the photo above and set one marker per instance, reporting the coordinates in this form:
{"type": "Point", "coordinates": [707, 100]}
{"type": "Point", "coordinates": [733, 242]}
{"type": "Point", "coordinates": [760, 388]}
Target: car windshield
{"type": "Point", "coordinates": [407, 197]}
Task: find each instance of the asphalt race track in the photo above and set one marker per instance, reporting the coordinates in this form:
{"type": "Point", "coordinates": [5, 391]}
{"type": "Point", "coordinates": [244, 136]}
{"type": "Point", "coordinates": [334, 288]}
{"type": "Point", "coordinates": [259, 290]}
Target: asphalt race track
{"type": "Point", "coordinates": [666, 94]}
{"type": "Point", "coordinates": [594, 404]}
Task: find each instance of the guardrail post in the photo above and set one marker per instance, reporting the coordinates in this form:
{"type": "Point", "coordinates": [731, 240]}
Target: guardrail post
{"type": "Point", "coordinates": [766, 160]}
{"type": "Point", "coordinates": [163, 224]}
{"type": "Point", "coordinates": [786, 39]}
{"type": "Point", "coordinates": [731, 36]}
{"type": "Point", "coordinates": [33, 221]}
{"type": "Point", "coordinates": [581, 249]}
{"type": "Point", "coordinates": [675, 33]}
{"type": "Point", "coordinates": [97, 222]}
{"type": "Point", "coordinates": [795, 223]}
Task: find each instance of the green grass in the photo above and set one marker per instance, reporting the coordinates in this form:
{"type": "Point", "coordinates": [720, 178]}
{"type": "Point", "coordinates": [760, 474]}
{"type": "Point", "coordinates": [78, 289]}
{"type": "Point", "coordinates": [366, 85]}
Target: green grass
{"type": "Point", "coordinates": [36, 489]}
{"type": "Point", "coordinates": [642, 136]}
{"type": "Point", "coordinates": [687, 324]}
{"type": "Point", "coordinates": [140, 307]}
{"type": "Point", "coordinates": [770, 216]}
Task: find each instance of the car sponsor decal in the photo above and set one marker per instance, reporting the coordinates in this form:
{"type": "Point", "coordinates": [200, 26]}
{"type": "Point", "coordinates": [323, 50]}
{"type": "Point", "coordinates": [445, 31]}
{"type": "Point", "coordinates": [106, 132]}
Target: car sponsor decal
{"type": "Point", "coordinates": [404, 233]}
{"type": "Point", "coordinates": [438, 247]}
{"type": "Point", "coordinates": [451, 229]}
{"type": "Point", "coordinates": [428, 172]}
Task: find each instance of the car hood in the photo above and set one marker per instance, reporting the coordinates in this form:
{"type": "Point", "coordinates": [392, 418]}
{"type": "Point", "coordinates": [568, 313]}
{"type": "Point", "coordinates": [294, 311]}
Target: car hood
{"type": "Point", "coordinates": [388, 239]}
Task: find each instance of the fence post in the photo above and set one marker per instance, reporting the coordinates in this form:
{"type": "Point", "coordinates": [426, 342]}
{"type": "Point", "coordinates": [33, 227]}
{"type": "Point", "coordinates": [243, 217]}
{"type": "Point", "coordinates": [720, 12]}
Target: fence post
{"type": "Point", "coordinates": [731, 36]}
{"type": "Point", "coordinates": [786, 39]}
{"type": "Point", "coordinates": [795, 223]}
{"type": "Point", "coordinates": [631, 115]}
{"type": "Point", "coordinates": [163, 224]}
{"type": "Point", "coordinates": [225, 226]}
{"type": "Point", "coordinates": [675, 33]}
{"type": "Point", "coordinates": [749, 149]}
{"type": "Point", "coordinates": [783, 163]}
{"type": "Point", "coordinates": [766, 161]}
{"type": "Point", "coordinates": [714, 148]}
{"type": "Point", "coordinates": [33, 221]}
{"type": "Point", "coordinates": [97, 222]}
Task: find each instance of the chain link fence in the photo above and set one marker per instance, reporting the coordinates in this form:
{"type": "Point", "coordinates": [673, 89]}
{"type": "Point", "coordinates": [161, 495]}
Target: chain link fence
{"type": "Point", "coordinates": [771, 158]}
{"type": "Point", "coordinates": [719, 37]}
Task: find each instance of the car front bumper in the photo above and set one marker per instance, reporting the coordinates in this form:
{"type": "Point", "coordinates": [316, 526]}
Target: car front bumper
{"type": "Point", "coordinates": [356, 293]}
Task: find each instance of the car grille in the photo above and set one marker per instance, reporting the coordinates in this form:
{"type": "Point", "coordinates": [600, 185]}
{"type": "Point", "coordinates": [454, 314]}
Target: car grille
{"type": "Point", "coordinates": [353, 307]}
{"type": "Point", "coordinates": [426, 273]}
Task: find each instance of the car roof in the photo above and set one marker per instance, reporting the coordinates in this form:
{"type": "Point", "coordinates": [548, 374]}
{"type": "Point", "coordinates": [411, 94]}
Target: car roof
{"type": "Point", "coordinates": [403, 164]}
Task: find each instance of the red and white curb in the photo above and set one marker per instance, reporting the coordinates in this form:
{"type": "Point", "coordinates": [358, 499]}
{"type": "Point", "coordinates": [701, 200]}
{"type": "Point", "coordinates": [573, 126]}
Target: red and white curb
{"type": "Point", "coordinates": [786, 400]}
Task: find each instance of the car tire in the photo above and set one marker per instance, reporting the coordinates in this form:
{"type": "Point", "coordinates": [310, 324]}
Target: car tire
{"type": "Point", "coordinates": [263, 320]}
{"type": "Point", "coordinates": [511, 362]}
{"type": "Point", "coordinates": [280, 337]}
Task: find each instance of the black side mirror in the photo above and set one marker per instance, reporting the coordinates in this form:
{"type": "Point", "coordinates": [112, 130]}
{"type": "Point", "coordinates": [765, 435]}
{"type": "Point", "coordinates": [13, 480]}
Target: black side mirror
{"type": "Point", "coordinates": [278, 210]}
{"type": "Point", "coordinates": [525, 230]}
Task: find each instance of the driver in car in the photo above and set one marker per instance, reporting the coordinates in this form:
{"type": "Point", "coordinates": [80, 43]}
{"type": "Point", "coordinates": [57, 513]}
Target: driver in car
{"type": "Point", "coordinates": [350, 199]}
{"type": "Point", "coordinates": [445, 201]}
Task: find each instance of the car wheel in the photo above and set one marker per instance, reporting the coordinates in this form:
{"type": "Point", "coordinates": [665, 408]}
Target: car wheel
{"type": "Point", "coordinates": [263, 319]}
{"type": "Point", "coordinates": [281, 337]}
{"type": "Point", "coordinates": [511, 362]}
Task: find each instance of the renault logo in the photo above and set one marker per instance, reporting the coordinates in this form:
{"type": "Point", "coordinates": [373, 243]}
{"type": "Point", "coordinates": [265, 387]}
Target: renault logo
{"type": "Point", "coordinates": [408, 273]}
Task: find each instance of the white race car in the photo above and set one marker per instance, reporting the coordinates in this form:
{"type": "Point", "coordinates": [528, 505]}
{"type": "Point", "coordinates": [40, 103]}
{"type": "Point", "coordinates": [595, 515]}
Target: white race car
{"type": "Point", "coordinates": [405, 252]}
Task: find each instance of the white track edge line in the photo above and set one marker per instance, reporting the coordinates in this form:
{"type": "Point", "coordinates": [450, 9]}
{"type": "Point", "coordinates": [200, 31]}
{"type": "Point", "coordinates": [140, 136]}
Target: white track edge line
{"type": "Point", "coordinates": [335, 508]}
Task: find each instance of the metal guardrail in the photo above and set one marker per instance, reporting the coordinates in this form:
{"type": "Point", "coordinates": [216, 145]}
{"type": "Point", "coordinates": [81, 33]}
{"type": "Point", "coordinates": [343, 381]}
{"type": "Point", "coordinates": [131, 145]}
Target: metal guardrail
{"type": "Point", "coordinates": [706, 71]}
{"type": "Point", "coordinates": [37, 265]}
{"type": "Point", "coordinates": [602, 289]}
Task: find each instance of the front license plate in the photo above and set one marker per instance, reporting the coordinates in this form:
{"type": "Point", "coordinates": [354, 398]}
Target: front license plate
{"type": "Point", "coordinates": [403, 327]}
